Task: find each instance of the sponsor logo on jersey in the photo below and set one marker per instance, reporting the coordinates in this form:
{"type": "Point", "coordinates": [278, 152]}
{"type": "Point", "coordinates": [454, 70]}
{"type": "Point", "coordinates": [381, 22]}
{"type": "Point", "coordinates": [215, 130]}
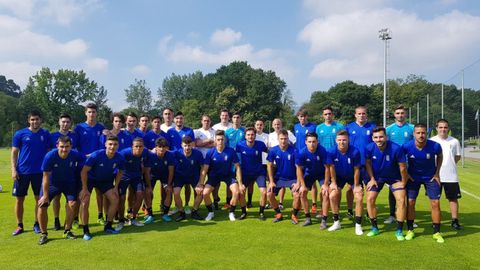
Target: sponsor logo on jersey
{"type": "Point", "coordinates": [374, 157]}
{"type": "Point", "coordinates": [101, 165]}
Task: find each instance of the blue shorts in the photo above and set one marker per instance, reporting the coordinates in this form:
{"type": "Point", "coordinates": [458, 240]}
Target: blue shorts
{"type": "Point", "coordinates": [261, 182]}
{"type": "Point", "coordinates": [310, 181]}
{"type": "Point", "coordinates": [162, 179]}
{"type": "Point", "coordinates": [283, 183]}
{"type": "Point", "coordinates": [182, 181]}
{"type": "Point", "coordinates": [382, 182]}
{"type": "Point", "coordinates": [70, 192]}
{"type": "Point", "coordinates": [431, 186]}
{"type": "Point", "coordinates": [136, 184]}
{"type": "Point", "coordinates": [341, 182]}
{"type": "Point", "coordinates": [102, 186]}
{"type": "Point", "coordinates": [215, 180]}
{"type": "Point", "coordinates": [20, 187]}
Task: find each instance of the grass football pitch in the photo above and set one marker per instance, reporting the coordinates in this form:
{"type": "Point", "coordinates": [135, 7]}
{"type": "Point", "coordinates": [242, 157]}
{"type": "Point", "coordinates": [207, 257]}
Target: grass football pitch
{"type": "Point", "coordinates": [247, 244]}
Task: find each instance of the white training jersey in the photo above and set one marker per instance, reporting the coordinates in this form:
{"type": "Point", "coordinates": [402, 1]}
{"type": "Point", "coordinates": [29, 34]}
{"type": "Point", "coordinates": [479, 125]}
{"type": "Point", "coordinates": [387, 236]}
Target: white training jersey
{"type": "Point", "coordinates": [220, 126]}
{"type": "Point", "coordinates": [165, 128]}
{"type": "Point", "coordinates": [202, 134]}
{"type": "Point", "coordinates": [273, 139]}
{"type": "Point", "coordinates": [263, 138]}
{"type": "Point", "coordinates": [450, 149]}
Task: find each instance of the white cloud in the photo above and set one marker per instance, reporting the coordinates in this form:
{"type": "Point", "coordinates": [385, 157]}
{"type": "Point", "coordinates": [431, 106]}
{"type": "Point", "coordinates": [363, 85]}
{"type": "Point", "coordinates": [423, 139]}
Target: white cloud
{"type": "Point", "coordinates": [347, 45]}
{"type": "Point", "coordinates": [18, 71]}
{"type": "Point", "coordinates": [140, 70]}
{"type": "Point", "coordinates": [163, 43]}
{"type": "Point", "coordinates": [225, 37]}
{"type": "Point", "coordinates": [328, 7]}
{"type": "Point", "coordinates": [96, 64]}
{"type": "Point", "coordinates": [18, 8]}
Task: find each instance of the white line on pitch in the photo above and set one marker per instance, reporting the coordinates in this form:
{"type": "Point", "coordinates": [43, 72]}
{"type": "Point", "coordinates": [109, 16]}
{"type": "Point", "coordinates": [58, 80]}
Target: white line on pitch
{"type": "Point", "coordinates": [472, 195]}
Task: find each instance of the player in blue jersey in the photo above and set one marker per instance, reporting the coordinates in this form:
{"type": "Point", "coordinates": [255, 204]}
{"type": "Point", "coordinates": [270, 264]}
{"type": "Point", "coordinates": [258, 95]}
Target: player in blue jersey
{"type": "Point", "coordinates": [65, 125]}
{"type": "Point", "coordinates": [218, 164]}
{"type": "Point", "coordinates": [189, 163]}
{"type": "Point", "coordinates": [343, 161]}
{"type": "Point", "coordinates": [424, 161]}
{"type": "Point", "coordinates": [135, 177]}
{"type": "Point", "coordinates": [163, 168]}
{"type": "Point", "coordinates": [118, 121]}
{"type": "Point", "coordinates": [103, 170]}
{"type": "Point", "coordinates": [311, 167]}
{"type": "Point", "coordinates": [253, 171]}
{"type": "Point", "coordinates": [59, 176]}
{"type": "Point", "coordinates": [360, 135]}
{"type": "Point", "coordinates": [283, 155]}
{"type": "Point", "coordinates": [233, 135]}
{"type": "Point", "coordinates": [399, 132]}
{"type": "Point", "coordinates": [29, 146]}
{"type": "Point", "coordinates": [302, 128]}
{"type": "Point", "coordinates": [143, 124]}
{"type": "Point", "coordinates": [131, 130]}
{"type": "Point", "coordinates": [152, 135]}
{"type": "Point", "coordinates": [385, 164]}
{"type": "Point", "coordinates": [88, 134]}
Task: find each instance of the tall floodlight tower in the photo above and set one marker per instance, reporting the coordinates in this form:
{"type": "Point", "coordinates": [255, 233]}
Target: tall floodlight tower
{"type": "Point", "coordinates": [385, 35]}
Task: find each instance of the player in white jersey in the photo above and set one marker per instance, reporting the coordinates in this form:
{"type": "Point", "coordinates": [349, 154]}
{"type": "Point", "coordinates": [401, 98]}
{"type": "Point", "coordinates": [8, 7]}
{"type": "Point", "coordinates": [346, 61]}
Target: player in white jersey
{"type": "Point", "coordinates": [263, 137]}
{"type": "Point", "coordinates": [204, 136]}
{"type": "Point", "coordinates": [224, 121]}
{"type": "Point", "coordinates": [448, 172]}
{"type": "Point", "coordinates": [167, 116]}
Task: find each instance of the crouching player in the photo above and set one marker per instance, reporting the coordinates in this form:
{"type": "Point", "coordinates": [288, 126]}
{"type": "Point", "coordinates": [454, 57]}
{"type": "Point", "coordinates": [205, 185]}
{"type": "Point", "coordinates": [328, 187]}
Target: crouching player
{"type": "Point", "coordinates": [59, 167]}
{"type": "Point", "coordinates": [102, 170]}
{"type": "Point", "coordinates": [344, 163]}
{"type": "Point", "coordinates": [218, 164]}
{"type": "Point", "coordinates": [163, 168]}
{"type": "Point", "coordinates": [311, 167]}
{"type": "Point", "coordinates": [284, 157]}
{"type": "Point", "coordinates": [385, 164]}
{"type": "Point", "coordinates": [137, 164]}
{"type": "Point", "coordinates": [251, 152]}
{"type": "Point", "coordinates": [189, 163]}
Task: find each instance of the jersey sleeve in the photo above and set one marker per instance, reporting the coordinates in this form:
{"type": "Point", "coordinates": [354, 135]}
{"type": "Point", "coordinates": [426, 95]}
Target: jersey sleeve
{"type": "Point", "coordinates": [91, 160]}
{"type": "Point", "coordinates": [400, 156]}
{"type": "Point", "coordinates": [330, 156]}
{"type": "Point", "coordinates": [147, 159]}
{"type": "Point", "coordinates": [235, 157]}
{"type": "Point", "coordinates": [121, 162]}
{"type": "Point", "coordinates": [271, 155]}
{"type": "Point", "coordinates": [357, 160]}
{"type": "Point", "coordinates": [368, 151]}
{"type": "Point", "coordinates": [47, 163]}
{"type": "Point", "coordinates": [299, 159]}
{"type": "Point", "coordinates": [208, 157]}
{"type": "Point", "coordinates": [17, 140]}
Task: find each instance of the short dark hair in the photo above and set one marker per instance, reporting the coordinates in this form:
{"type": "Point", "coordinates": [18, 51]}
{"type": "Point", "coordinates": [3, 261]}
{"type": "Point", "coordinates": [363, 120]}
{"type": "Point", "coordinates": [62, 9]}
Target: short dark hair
{"type": "Point", "coordinates": [250, 129]}
{"type": "Point", "coordinates": [119, 115]}
{"type": "Point", "coordinates": [34, 113]}
{"type": "Point", "coordinates": [161, 142]}
{"type": "Point", "coordinates": [219, 133]}
{"type": "Point", "coordinates": [167, 108]}
{"type": "Point", "coordinates": [132, 114]}
{"type": "Point", "coordinates": [283, 132]}
{"type": "Point", "coordinates": [302, 112]}
{"type": "Point", "coordinates": [379, 129]}
{"type": "Point", "coordinates": [420, 125]}
{"type": "Point", "coordinates": [91, 105]}
{"type": "Point", "coordinates": [112, 138]}
{"type": "Point", "coordinates": [236, 113]}
{"type": "Point", "coordinates": [65, 115]}
{"type": "Point", "coordinates": [400, 107]}
{"type": "Point", "coordinates": [311, 134]}
{"type": "Point", "coordinates": [64, 139]}
{"type": "Point", "coordinates": [137, 139]}
{"type": "Point", "coordinates": [187, 140]}
{"type": "Point", "coordinates": [156, 117]}
{"type": "Point", "coordinates": [342, 132]}
{"type": "Point", "coordinates": [144, 115]}
{"type": "Point", "coordinates": [179, 113]}
{"type": "Point", "coordinates": [441, 120]}
{"type": "Point", "coordinates": [328, 107]}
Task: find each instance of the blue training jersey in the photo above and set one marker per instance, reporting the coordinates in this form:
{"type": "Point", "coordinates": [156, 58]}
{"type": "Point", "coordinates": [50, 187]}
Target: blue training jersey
{"type": "Point", "coordinates": [54, 137]}
{"type": "Point", "coordinates": [313, 163]}
{"type": "Point", "coordinates": [360, 137]}
{"type": "Point", "coordinates": [33, 147]}
{"type": "Point", "coordinates": [251, 158]}
{"type": "Point", "coordinates": [130, 136]}
{"type": "Point", "coordinates": [328, 133]}
{"type": "Point", "coordinates": [160, 165]}
{"type": "Point", "coordinates": [151, 137]}
{"type": "Point", "coordinates": [301, 133]}
{"type": "Point", "coordinates": [88, 137]}
{"type": "Point", "coordinates": [134, 164]}
{"type": "Point", "coordinates": [188, 167]}
{"type": "Point", "coordinates": [233, 136]}
{"type": "Point", "coordinates": [63, 171]}
{"type": "Point", "coordinates": [422, 162]}
{"type": "Point", "coordinates": [285, 161]}
{"type": "Point", "coordinates": [124, 140]}
{"type": "Point", "coordinates": [221, 164]}
{"type": "Point", "coordinates": [175, 137]}
{"type": "Point", "coordinates": [104, 169]}
{"type": "Point", "coordinates": [344, 163]}
{"type": "Point", "coordinates": [400, 134]}
{"type": "Point", "coordinates": [385, 164]}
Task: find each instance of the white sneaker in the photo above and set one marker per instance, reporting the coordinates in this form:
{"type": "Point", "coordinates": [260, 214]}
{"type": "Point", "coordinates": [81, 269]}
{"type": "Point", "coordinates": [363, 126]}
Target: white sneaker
{"type": "Point", "coordinates": [335, 226]}
{"type": "Point", "coordinates": [137, 223]}
{"type": "Point", "coordinates": [119, 226]}
{"type": "Point", "coordinates": [173, 211]}
{"type": "Point", "coordinates": [210, 216]}
{"type": "Point", "coordinates": [187, 210]}
{"type": "Point", "coordinates": [415, 225]}
{"type": "Point", "coordinates": [280, 205]}
{"type": "Point", "coordinates": [231, 216]}
{"type": "Point", "coordinates": [389, 220]}
{"type": "Point", "coordinates": [358, 229]}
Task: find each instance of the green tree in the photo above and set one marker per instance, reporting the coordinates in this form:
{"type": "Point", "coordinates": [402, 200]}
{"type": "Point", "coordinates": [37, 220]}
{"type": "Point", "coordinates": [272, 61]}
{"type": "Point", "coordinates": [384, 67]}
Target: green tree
{"type": "Point", "coordinates": [139, 96]}
{"type": "Point", "coordinates": [9, 87]}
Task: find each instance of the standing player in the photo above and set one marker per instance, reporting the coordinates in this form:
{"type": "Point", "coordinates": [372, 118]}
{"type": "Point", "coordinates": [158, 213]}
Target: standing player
{"type": "Point", "coordinates": [233, 135]}
{"type": "Point", "coordinates": [152, 135]}
{"type": "Point", "coordinates": [187, 172]}
{"type": "Point", "coordinates": [163, 167]}
{"type": "Point", "coordinates": [399, 132]}
{"type": "Point", "coordinates": [204, 136]}
{"type": "Point", "coordinates": [59, 176]}
{"type": "Point", "coordinates": [137, 170]}
{"type": "Point", "coordinates": [448, 171]}
{"type": "Point", "coordinates": [143, 124]}
{"type": "Point", "coordinates": [224, 121]}
{"type": "Point", "coordinates": [283, 155]}
{"type": "Point", "coordinates": [311, 167]}
{"type": "Point", "coordinates": [360, 135]}
{"type": "Point", "coordinates": [29, 147]}
{"type": "Point", "coordinates": [102, 170]}
{"type": "Point", "coordinates": [424, 163]}
{"type": "Point", "coordinates": [327, 131]}
{"type": "Point", "coordinates": [167, 115]}
{"type": "Point", "coordinates": [118, 120]}
{"type": "Point", "coordinates": [263, 137]}
{"type": "Point", "coordinates": [344, 162]}
{"type": "Point", "coordinates": [218, 165]}
{"type": "Point", "coordinates": [385, 164]}
{"type": "Point", "coordinates": [251, 152]}
{"type": "Point", "coordinates": [65, 125]}
{"type": "Point", "coordinates": [88, 134]}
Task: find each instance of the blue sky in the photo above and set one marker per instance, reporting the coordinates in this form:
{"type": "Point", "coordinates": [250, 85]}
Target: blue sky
{"type": "Point", "coordinates": [310, 44]}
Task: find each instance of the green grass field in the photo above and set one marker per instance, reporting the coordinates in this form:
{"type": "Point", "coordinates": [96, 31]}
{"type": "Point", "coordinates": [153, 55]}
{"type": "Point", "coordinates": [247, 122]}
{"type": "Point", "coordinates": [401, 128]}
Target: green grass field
{"type": "Point", "coordinates": [247, 244]}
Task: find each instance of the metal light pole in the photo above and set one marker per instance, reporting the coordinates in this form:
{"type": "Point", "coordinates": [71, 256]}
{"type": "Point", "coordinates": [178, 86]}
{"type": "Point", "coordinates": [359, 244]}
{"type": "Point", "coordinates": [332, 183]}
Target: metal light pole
{"type": "Point", "coordinates": [442, 101]}
{"type": "Point", "coordinates": [428, 112]}
{"type": "Point", "coordinates": [385, 35]}
{"type": "Point", "coordinates": [418, 112]}
{"type": "Point", "coordinates": [463, 120]}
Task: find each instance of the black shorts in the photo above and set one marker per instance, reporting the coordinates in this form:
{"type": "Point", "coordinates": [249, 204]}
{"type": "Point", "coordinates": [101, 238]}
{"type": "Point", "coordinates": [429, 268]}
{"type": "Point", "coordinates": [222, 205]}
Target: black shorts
{"type": "Point", "coordinates": [452, 191]}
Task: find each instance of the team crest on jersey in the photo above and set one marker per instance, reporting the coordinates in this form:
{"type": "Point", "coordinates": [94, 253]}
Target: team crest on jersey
{"type": "Point", "coordinates": [55, 165]}
{"type": "Point", "coordinates": [405, 134]}
{"type": "Point", "coordinates": [181, 160]}
{"type": "Point", "coordinates": [336, 160]}
{"type": "Point", "coordinates": [256, 153]}
{"type": "Point", "coordinates": [321, 131]}
{"type": "Point", "coordinates": [101, 165]}
{"type": "Point", "coordinates": [41, 138]}
{"type": "Point", "coordinates": [155, 164]}
{"type": "Point", "coordinates": [98, 133]}
{"type": "Point", "coordinates": [192, 161]}
{"type": "Point", "coordinates": [296, 130]}
{"type": "Point", "coordinates": [71, 163]}
{"type": "Point", "coordinates": [214, 159]}
{"type": "Point", "coordinates": [277, 157]}
{"type": "Point", "coordinates": [393, 133]}
{"type": "Point", "coordinates": [225, 158]}
{"type": "Point", "coordinates": [368, 132]}
{"type": "Point", "coordinates": [27, 139]}
{"type": "Point", "coordinates": [412, 156]}
{"type": "Point", "coordinates": [387, 157]}
{"type": "Point", "coordinates": [114, 165]}
{"type": "Point", "coordinates": [354, 132]}
{"type": "Point", "coordinates": [84, 133]}
{"type": "Point", "coordinates": [123, 140]}
{"type": "Point", "coordinates": [374, 157]}
{"type": "Point", "coordinates": [318, 157]}
{"type": "Point", "coordinates": [333, 130]}
{"type": "Point", "coordinates": [165, 162]}
{"type": "Point", "coordinates": [308, 160]}
{"type": "Point", "coordinates": [244, 152]}
{"type": "Point", "coordinates": [289, 156]}
{"type": "Point", "coordinates": [348, 161]}
{"type": "Point", "coordinates": [428, 156]}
